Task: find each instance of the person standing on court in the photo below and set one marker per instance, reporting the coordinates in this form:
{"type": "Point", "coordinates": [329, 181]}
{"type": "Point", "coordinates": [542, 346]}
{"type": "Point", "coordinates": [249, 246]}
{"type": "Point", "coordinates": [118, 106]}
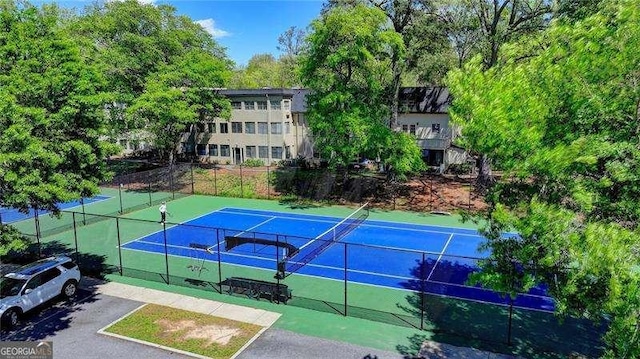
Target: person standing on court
{"type": "Point", "coordinates": [163, 212]}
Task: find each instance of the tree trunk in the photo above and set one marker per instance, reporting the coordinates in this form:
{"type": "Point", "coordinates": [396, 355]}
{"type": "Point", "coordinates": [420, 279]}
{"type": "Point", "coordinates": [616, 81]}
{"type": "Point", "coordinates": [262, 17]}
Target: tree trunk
{"type": "Point", "coordinates": [396, 93]}
{"type": "Point", "coordinates": [485, 177]}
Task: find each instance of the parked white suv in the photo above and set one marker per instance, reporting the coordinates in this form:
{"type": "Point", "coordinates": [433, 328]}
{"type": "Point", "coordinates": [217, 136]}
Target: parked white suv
{"type": "Point", "coordinates": [34, 284]}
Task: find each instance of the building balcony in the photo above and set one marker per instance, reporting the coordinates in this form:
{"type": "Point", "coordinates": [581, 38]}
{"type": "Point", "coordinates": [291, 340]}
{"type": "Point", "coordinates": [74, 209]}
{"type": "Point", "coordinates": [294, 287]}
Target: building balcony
{"type": "Point", "coordinates": [437, 143]}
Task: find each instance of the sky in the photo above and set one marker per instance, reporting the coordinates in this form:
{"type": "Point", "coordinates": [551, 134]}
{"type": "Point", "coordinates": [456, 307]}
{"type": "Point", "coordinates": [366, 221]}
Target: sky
{"type": "Point", "coordinates": [243, 27]}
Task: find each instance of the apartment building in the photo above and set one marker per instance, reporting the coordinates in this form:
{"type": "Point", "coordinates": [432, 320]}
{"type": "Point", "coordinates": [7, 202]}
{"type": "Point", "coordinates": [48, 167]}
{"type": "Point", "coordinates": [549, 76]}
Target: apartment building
{"type": "Point", "coordinates": [423, 113]}
{"type": "Point", "coordinates": [266, 124]}
{"type": "Point", "coordinates": [270, 125]}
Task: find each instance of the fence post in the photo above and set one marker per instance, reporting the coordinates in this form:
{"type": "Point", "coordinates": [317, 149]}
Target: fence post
{"type": "Point", "coordinates": [173, 191]}
{"type": "Point", "coordinates": [166, 253]}
{"type": "Point", "coordinates": [37, 224]}
{"type": "Point", "coordinates": [192, 184]}
{"type": "Point", "coordinates": [241, 187]}
{"type": "Point", "coordinates": [219, 262]}
{"type": "Point", "coordinates": [431, 193]}
{"type": "Point", "coordinates": [120, 195]}
{"type": "Point", "coordinates": [345, 279]}
{"type": "Point", "coordinates": [422, 290]}
{"type": "Point", "coordinates": [119, 245]}
{"type": "Point", "coordinates": [149, 186]}
{"type": "Point", "coordinates": [268, 182]}
{"type": "Point", "coordinates": [84, 217]}
{"type": "Point", "coordinates": [75, 237]}
{"type": "Point", "coordinates": [215, 180]}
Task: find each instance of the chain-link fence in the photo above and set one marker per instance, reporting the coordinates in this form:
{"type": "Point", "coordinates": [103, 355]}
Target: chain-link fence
{"type": "Point", "coordinates": [431, 297]}
{"type": "Point", "coordinates": [429, 192]}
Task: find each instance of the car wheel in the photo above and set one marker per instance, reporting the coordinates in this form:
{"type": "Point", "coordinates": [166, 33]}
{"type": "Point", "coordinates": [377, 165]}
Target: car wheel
{"type": "Point", "coordinates": [11, 317]}
{"type": "Point", "coordinates": [70, 288]}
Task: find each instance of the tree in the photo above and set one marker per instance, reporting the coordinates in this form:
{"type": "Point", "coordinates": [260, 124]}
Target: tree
{"type": "Point", "coordinates": [498, 22]}
{"type": "Point", "coordinates": [291, 42]}
{"type": "Point", "coordinates": [51, 113]}
{"type": "Point", "coordinates": [346, 67]}
{"type": "Point", "coordinates": [180, 95]}
{"type": "Point", "coordinates": [560, 112]}
{"type": "Point", "coordinates": [131, 43]}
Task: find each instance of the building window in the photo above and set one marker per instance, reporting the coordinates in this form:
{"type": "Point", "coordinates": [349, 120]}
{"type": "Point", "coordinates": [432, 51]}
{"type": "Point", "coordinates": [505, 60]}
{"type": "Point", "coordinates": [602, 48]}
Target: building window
{"type": "Point", "coordinates": [250, 127]}
{"type": "Point", "coordinates": [202, 149]}
{"type": "Point", "coordinates": [262, 128]}
{"type": "Point", "coordinates": [405, 128]}
{"type": "Point", "coordinates": [412, 129]}
{"type": "Point", "coordinates": [275, 105]}
{"type": "Point", "coordinates": [435, 128]}
{"type": "Point", "coordinates": [225, 151]}
{"type": "Point", "coordinates": [286, 104]}
{"type": "Point", "coordinates": [236, 127]}
{"type": "Point", "coordinates": [236, 105]}
{"type": "Point", "coordinates": [276, 152]}
{"type": "Point", "coordinates": [287, 127]}
{"type": "Point", "coordinates": [213, 150]}
{"type": "Point", "coordinates": [211, 127]}
{"type": "Point", "coordinates": [263, 151]}
{"type": "Point", "coordinates": [251, 151]}
{"type": "Point", "coordinates": [262, 105]}
{"type": "Point", "coordinates": [287, 152]}
{"type": "Point", "coordinates": [224, 127]}
{"type": "Point", "coordinates": [248, 105]}
{"type": "Point", "coordinates": [276, 128]}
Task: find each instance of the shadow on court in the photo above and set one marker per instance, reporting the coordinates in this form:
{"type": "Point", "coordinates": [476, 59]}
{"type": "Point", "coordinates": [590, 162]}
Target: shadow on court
{"type": "Point", "coordinates": [493, 327]}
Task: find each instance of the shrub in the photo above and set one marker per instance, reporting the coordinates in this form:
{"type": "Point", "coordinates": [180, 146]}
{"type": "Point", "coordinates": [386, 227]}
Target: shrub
{"type": "Point", "coordinates": [253, 162]}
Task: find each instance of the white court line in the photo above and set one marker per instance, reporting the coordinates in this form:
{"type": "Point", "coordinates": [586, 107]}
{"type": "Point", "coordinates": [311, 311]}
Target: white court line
{"type": "Point", "coordinates": [377, 220]}
{"type": "Point", "coordinates": [364, 224]}
{"type": "Point", "coordinates": [439, 257]}
{"type": "Point", "coordinates": [256, 226]}
{"type": "Point", "coordinates": [330, 268]}
{"type": "Point", "coordinates": [150, 234]}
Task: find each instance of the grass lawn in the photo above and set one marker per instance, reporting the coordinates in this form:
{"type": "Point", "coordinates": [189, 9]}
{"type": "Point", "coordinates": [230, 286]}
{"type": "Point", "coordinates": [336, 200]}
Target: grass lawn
{"type": "Point", "coordinates": [187, 331]}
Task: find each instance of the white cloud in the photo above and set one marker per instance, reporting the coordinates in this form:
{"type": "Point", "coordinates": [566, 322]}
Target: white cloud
{"type": "Point", "coordinates": [210, 26]}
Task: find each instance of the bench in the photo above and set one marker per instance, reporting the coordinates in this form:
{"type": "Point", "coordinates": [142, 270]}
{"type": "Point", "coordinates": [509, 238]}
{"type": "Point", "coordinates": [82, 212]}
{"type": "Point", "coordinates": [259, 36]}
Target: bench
{"type": "Point", "coordinates": [253, 288]}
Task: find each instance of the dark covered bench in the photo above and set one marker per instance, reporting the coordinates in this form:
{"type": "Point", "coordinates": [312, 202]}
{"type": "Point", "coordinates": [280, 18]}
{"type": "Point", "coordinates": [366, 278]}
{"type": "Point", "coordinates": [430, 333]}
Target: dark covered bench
{"type": "Point", "coordinates": [253, 288]}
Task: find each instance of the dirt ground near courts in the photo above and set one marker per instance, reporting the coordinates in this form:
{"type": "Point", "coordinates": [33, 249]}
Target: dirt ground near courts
{"type": "Point", "coordinates": [440, 193]}
{"type": "Point", "coordinates": [445, 193]}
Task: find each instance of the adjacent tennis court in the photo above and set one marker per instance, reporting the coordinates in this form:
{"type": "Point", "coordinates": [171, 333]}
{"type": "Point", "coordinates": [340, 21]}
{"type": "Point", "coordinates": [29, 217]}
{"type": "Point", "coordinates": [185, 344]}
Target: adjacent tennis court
{"type": "Point", "coordinates": [11, 215]}
{"type": "Point", "coordinates": [381, 253]}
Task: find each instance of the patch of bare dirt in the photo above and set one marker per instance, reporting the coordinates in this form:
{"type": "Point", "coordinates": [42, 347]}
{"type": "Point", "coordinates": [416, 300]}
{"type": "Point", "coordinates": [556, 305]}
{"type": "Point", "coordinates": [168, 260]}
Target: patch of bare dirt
{"type": "Point", "coordinates": [190, 330]}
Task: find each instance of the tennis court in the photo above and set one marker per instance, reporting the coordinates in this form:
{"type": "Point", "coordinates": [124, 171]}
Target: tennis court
{"type": "Point", "coordinates": [11, 215]}
{"type": "Point", "coordinates": [381, 253]}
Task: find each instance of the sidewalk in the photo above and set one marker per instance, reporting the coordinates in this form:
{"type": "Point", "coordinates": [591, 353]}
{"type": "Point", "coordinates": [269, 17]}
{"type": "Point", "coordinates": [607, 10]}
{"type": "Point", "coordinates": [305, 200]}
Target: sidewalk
{"type": "Point", "coordinates": [256, 316]}
{"type": "Point", "coordinates": [259, 317]}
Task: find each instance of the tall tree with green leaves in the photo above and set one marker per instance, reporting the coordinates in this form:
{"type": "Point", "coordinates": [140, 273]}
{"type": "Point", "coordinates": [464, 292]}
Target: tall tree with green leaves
{"type": "Point", "coordinates": [51, 113]}
{"type": "Point", "coordinates": [346, 67]}
{"type": "Point", "coordinates": [483, 27]}
{"type": "Point", "coordinates": [561, 112]}
{"type": "Point", "coordinates": [132, 43]}
{"type": "Point", "coordinates": [180, 95]}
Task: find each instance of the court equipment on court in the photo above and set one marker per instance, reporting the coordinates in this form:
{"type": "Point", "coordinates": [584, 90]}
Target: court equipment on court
{"type": "Point", "coordinates": [198, 256]}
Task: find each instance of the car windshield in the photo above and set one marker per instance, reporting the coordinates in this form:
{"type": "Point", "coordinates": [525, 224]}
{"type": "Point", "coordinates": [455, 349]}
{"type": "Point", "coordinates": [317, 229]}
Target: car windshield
{"type": "Point", "coordinates": [10, 286]}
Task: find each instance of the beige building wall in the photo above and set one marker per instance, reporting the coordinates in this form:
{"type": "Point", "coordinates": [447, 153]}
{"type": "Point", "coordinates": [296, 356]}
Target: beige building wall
{"type": "Point", "coordinates": [261, 127]}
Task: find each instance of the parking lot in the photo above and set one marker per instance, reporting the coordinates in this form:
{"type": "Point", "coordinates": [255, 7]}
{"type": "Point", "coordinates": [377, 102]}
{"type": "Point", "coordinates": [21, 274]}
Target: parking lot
{"type": "Point", "coordinates": [73, 326]}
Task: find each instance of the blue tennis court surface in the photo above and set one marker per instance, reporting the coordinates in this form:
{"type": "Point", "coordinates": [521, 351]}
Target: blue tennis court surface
{"type": "Point", "coordinates": [10, 215]}
{"type": "Point", "coordinates": [388, 254]}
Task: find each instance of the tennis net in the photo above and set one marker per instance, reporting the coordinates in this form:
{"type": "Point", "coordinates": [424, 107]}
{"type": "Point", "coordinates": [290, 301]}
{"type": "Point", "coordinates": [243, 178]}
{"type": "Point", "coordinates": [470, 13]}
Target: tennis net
{"type": "Point", "coordinates": [314, 248]}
